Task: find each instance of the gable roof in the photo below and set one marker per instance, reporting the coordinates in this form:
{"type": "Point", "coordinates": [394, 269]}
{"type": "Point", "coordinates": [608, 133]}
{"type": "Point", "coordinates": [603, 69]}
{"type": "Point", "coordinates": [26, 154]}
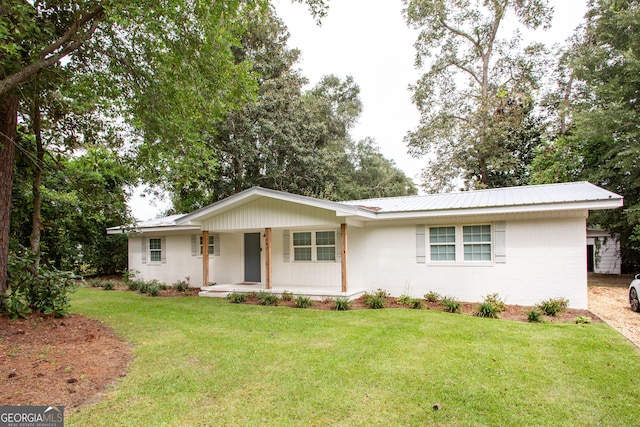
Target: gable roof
{"type": "Point", "coordinates": [573, 195]}
{"type": "Point", "coordinates": [548, 197]}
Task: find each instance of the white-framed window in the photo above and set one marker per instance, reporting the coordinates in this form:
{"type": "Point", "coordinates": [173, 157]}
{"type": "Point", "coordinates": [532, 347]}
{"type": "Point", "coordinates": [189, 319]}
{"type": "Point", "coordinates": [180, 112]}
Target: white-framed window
{"type": "Point", "coordinates": [314, 246]}
{"type": "Point", "coordinates": [211, 245]}
{"type": "Point", "coordinates": [461, 244]}
{"type": "Point", "coordinates": [477, 242]}
{"type": "Point", "coordinates": [155, 249]}
{"type": "Point", "coordinates": [442, 243]}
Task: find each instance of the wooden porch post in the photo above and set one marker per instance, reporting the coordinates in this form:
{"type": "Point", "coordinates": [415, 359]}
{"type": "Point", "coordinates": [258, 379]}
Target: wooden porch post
{"type": "Point", "coordinates": [267, 234]}
{"type": "Point", "coordinates": [205, 257]}
{"type": "Point", "coordinates": [343, 234]}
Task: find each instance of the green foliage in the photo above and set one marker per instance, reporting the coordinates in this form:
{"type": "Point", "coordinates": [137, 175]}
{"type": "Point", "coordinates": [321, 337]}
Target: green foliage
{"type": "Point", "coordinates": [303, 301]}
{"type": "Point", "coordinates": [484, 131]}
{"type": "Point", "coordinates": [492, 306]}
{"type": "Point", "coordinates": [416, 304]}
{"type": "Point", "coordinates": [267, 298]}
{"type": "Point", "coordinates": [342, 304]}
{"type": "Point", "coordinates": [451, 304]}
{"type": "Point", "coordinates": [108, 285]}
{"type": "Point", "coordinates": [287, 296]}
{"type": "Point", "coordinates": [375, 300]}
{"type": "Point", "coordinates": [154, 289]}
{"type": "Point", "coordinates": [236, 297]}
{"type": "Point", "coordinates": [129, 274]}
{"type": "Point", "coordinates": [404, 299]}
{"type": "Point", "coordinates": [181, 286]}
{"type": "Point", "coordinates": [43, 289]}
{"type": "Point", "coordinates": [432, 296]}
{"type": "Point", "coordinates": [581, 320]}
{"type": "Point", "coordinates": [553, 306]}
{"type": "Point", "coordinates": [134, 285]}
{"type": "Point", "coordinates": [533, 315]}
{"type": "Point", "coordinates": [15, 304]}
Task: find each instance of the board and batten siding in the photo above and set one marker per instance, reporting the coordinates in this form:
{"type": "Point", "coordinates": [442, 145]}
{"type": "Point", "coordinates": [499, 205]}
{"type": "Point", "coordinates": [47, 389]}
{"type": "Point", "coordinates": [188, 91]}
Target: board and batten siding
{"type": "Point", "coordinates": [270, 213]}
{"type": "Point", "coordinates": [543, 257]}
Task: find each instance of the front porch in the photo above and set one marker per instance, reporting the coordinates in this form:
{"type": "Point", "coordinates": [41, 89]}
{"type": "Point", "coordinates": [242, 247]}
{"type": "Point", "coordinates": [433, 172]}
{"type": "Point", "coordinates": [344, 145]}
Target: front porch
{"type": "Point", "coordinates": [315, 293]}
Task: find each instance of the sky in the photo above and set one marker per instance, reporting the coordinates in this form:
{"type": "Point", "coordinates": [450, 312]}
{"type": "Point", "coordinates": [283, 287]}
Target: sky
{"type": "Point", "coordinates": [369, 40]}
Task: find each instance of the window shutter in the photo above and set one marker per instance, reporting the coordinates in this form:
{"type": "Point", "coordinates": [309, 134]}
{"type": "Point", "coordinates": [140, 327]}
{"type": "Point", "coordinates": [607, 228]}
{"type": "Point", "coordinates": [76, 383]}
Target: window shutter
{"type": "Point", "coordinates": [144, 249]}
{"type": "Point", "coordinates": [421, 244]}
{"type": "Point", "coordinates": [194, 245]}
{"type": "Point", "coordinates": [500, 246]}
{"type": "Point", "coordinates": [216, 244]}
{"type": "Point", "coordinates": [285, 246]}
{"type": "Point", "coordinates": [339, 245]}
{"type": "Point", "coordinates": [163, 250]}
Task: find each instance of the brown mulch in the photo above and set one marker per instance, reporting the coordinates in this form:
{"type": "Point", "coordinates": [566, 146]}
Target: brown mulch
{"type": "Point", "coordinates": [68, 361]}
{"type": "Point", "coordinates": [71, 361]}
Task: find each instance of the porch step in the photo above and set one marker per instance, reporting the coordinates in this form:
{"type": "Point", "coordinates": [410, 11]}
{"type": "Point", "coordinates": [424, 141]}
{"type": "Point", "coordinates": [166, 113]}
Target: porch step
{"type": "Point", "coordinates": [221, 291]}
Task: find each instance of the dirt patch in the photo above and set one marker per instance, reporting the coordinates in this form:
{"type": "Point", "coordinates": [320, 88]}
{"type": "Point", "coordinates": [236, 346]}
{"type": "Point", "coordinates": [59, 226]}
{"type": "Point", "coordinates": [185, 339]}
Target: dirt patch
{"type": "Point", "coordinates": [67, 361]}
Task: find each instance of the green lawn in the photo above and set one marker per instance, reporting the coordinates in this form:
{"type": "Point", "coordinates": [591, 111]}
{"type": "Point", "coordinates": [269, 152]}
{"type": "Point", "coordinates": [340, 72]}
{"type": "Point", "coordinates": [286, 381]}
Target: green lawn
{"type": "Point", "coordinates": [202, 361]}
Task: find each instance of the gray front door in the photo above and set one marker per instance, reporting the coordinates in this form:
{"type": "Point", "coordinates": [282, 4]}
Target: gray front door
{"type": "Point", "coordinates": [252, 257]}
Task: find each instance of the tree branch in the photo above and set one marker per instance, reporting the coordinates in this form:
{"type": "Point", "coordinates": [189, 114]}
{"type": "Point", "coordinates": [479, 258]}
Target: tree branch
{"type": "Point", "coordinates": [71, 38]}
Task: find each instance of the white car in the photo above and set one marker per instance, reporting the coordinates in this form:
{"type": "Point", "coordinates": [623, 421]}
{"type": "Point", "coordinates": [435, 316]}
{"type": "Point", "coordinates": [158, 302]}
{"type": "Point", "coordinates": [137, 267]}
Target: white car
{"type": "Point", "coordinates": [634, 290]}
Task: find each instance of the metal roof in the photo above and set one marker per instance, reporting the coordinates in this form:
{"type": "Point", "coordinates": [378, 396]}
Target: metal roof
{"type": "Point", "coordinates": [493, 198]}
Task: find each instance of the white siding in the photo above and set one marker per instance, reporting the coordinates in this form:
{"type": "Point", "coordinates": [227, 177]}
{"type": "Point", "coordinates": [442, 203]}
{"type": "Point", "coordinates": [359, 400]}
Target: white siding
{"type": "Point", "coordinates": [543, 259]}
{"type": "Point", "coordinates": [606, 254]}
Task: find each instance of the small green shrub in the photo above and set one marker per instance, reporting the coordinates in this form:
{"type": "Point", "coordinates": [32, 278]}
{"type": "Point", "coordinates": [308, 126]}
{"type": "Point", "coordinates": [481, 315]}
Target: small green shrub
{"type": "Point", "coordinates": [109, 285]}
{"type": "Point", "coordinates": [491, 307]}
{"type": "Point", "coordinates": [267, 298]}
{"type": "Point", "coordinates": [15, 305]}
{"type": "Point", "coordinates": [533, 316]}
{"type": "Point", "coordinates": [416, 304]}
{"type": "Point", "coordinates": [582, 320]}
{"type": "Point", "coordinates": [375, 302]}
{"type": "Point", "coordinates": [381, 293]}
{"type": "Point", "coordinates": [404, 299]}
{"type": "Point", "coordinates": [303, 301]}
{"type": "Point", "coordinates": [129, 274]}
{"type": "Point", "coordinates": [236, 297]}
{"type": "Point", "coordinates": [451, 304]}
{"type": "Point", "coordinates": [154, 289]}
{"type": "Point", "coordinates": [342, 304]}
{"type": "Point", "coordinates": [553, 306]}
{"type": "Point", "coordinates": [432, 296]}
{"type": "Point", "coordinates": [181, 286]}
{"type": "Point", "coordinates": [286, 296]}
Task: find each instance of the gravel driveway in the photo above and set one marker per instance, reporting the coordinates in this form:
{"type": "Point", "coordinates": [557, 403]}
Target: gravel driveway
{"type": "Point", "coordinates": [611, 304]}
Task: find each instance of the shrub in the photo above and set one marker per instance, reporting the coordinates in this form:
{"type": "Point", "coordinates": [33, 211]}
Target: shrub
{"type": "Point", "coordinates": [533, 316]}
{"type": "Point", "coordinates": [416, 304]}
{"type": "Point", "coordinates": [381, 293]}
{"type": "Point", "coordinates": [267, 298]}
{"type": "Point", "coordinates": [553, 306]}
{"type": "Point", "coordinates": [181, 286]}
{"type": "Point", "coordinates": [375, 302]}
{"type": "Point", "coordinates": [432, 296]}
{"type": "Point", "coordinates": [451, 304]}
{"type": "Point", "coordinates": [404, 299]}
{"type": "Point", "coordinates": [303, 301]}
{"type": "Point", "coordinates": [129, 274]}
{"type": "Point", "coordinates": [582, 320]}
{"type": "Point", "coordinates": [287, 296]}
{"type": "Point", "coordinates": [236, 297]}
{"type": "Point", "coordinates": [44, 289]}
{"type": "Point", "coordinates": [109, 285]}
{"type": "Point", "coordinates": [342, 304]}
{"type": "Point", "coordinates": [134, 285]}
{"type": "Point", "coordinates": [154, 289]}
{"type": "Point", "coordinates": [491, 307]}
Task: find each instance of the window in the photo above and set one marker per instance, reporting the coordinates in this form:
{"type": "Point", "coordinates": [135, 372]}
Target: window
{"type": "Point", "coordinates": [155, 249]}
{"type": "Point", "coordinates": [477, 242]}
{"type": "Point", "coordinates": [442, 243]}
{"type": "Point", "coordinates": [314, 246]}
{"type": "Point", "coordinates": [211, 245]}
{"type": "Point", "coordinates": [302, 246]}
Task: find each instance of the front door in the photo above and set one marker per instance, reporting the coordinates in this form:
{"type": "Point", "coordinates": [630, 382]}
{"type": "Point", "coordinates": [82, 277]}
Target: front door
{"type": "Point", "coordinates": [252, 257]}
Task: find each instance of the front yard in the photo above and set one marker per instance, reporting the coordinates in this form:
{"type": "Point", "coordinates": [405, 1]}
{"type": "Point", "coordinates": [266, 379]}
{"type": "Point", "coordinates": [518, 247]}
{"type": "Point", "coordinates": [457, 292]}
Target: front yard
{"type": "Point", "coordinates": [207, 362]}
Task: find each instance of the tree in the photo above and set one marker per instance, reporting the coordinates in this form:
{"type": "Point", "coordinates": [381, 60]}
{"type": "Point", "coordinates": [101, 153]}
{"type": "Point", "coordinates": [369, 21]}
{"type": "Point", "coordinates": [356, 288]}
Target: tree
{"type": "Point", "coordinates": [601, 141]}
{"type": "Point", "coordinates": [143, 55]}
{"type": "Point", "coordinates": [472, 132]}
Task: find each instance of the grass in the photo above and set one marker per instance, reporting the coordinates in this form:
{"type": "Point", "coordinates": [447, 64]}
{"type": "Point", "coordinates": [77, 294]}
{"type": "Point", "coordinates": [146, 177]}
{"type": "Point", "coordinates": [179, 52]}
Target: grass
{"type": "Point", "coordinates": [203, 361]}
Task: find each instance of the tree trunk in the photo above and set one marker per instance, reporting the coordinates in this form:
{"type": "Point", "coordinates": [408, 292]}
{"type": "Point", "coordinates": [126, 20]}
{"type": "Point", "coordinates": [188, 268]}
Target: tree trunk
{"type": "Point", "coordinates": [8, 122]}
{"type": "Point", "coordinates": [36, 223]}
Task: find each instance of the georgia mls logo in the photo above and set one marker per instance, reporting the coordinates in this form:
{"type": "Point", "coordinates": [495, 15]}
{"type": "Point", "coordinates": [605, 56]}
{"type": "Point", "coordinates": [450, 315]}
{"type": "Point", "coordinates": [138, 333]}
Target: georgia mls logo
{"type": "Point", "coordinates": [31, 416]}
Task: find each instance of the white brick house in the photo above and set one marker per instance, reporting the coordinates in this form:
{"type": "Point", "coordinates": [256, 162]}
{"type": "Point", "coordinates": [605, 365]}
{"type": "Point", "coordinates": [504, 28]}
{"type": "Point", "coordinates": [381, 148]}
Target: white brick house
{"type": "Point", "coordinates": [525, 243]}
